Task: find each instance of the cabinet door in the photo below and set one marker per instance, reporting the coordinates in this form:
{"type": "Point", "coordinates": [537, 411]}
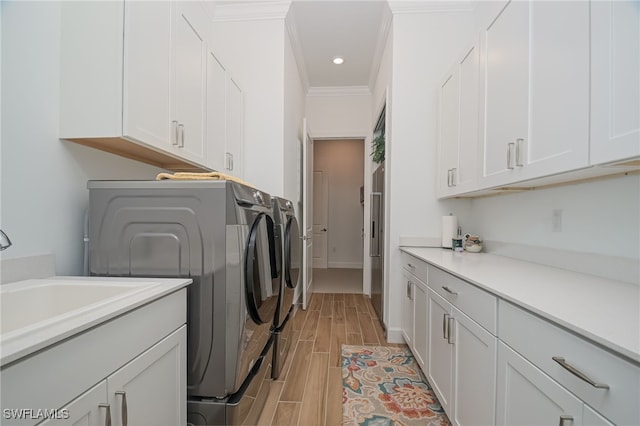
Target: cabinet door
{"type": "Point", "coordinates": [465, 175]}
{"type": "Point", "coordinates": [235, 135]}
{"type": "Point", "coordinates": [505, 60]}
{"type": "Point", "coordinates": [216, 113]}
{"type": "Point", "coordinates": [88, 409]}
{"type": "Point", "coordinates": [407, 308]}
{"type": "Point", "coordinates": [474, 373]}
{"type": "Point", "coordinates": [527, 396]}
{"type": "Point", "coordinates": [420, 324]}
{"type": "Point", "coordinates": [615, 86]}
{"type": "Point", "coordinates": [188, 89]}
{"type": "Point", "coordinates": [440, 350]}
{"type": "Point", "coordinates": [448, 128]}
{"type": "Point", "coordinates": [147, 61]}
{"type": "Point", "coordinates": [536, 91]}
{"type": "Point", "coordinates": [151, 389]}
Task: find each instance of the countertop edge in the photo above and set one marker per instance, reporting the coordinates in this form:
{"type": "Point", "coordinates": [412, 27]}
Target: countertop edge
{"type": "Point", "coordinates": [620, 349]}
{"type": "Point", "coordinates": [44, 338]}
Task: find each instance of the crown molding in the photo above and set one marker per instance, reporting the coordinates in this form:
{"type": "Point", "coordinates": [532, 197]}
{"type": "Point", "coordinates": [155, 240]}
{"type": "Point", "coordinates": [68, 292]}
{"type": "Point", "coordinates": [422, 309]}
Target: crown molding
{"type": "Point", "coordinates": [339, 91]}
{"type": "Point", "coordinates": [296, 46]}
{"type": "Point", "coordinates": [417, 6]}
{"type": "Point", "coordinates": [383, 34]}
{"type": "Point", "coordinates": [228, 11]}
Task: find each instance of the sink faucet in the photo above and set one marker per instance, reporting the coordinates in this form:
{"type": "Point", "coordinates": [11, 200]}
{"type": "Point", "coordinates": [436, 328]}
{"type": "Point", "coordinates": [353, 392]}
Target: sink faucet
{"type": "Point", "coordinates": [5, 242]}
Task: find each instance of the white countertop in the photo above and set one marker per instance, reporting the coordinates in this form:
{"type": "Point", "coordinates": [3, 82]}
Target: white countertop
{"type": "Point", "coordinates": [605, 311]}
{"type": "Point", "coordinates": [16, 344]}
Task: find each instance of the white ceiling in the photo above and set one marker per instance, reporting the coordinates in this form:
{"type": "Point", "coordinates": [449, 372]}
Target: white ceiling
{"type": "Point", "coordinates": [350, 29]}
{"type": "Point", "coordinates": [321, 30]}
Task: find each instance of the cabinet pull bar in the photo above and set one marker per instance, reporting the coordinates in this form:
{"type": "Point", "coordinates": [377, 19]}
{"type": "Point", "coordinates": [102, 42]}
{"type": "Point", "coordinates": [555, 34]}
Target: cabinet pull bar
{"type": "Point", "coordinates": [123, 409]}
{"type": "Point", "coordinates": [453, 176]}
{"type": "Point", "coordinates": [448, 290]}
{"type": "Point", "coordinates": [571, 369]}
{"type": "Point", "coordinates": [107, 416]}
{"type": "Point", "coordinates": [450, 322]}
{"type": "Point", "coordinates": [445, 329]}
{"type": "Point", "coordinates": [564, 419]}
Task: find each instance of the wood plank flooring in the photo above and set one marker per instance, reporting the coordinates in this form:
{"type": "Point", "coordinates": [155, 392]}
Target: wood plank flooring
{"type": "Point", "coordinates": [309, 390]}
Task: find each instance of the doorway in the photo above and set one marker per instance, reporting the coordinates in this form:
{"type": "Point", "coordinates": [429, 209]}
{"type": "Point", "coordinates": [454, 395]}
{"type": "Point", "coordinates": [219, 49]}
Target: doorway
{"type": "Point", "coordinates": [338, 215]}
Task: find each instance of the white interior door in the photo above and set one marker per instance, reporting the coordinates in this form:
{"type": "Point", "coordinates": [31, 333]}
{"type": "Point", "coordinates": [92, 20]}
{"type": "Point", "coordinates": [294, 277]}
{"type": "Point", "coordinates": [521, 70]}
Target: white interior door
{"type": "Point", "coordinates": [320, 218]}
{"type": "Point", "coordinates": [307, 216]}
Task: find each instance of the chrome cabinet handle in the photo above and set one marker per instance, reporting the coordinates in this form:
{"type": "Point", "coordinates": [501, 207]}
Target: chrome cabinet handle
{"type": "Point", "coordinates": [450, 322]}
{"type": "Point", "coordinates": [449, 178]}
{"type": "Point", "coordinates": [123, 408]}
{"type": "Point", "coordinates": [411, 266]}
{"type": "Point", "coordinates": [448, 290]}
{"type": "Point", "coordinates": [453, 176]}
{"type": "Point", "coordinates": [510, 147]}
{"type": "Point", "coordinates": [564, 419]}
{"type": "Point", "coordinates": [445, 329]}
{"type": "Point", "coordinates": [107, 416]}
{"type": "Point", "coordinates": [519, 152]}
{"type": "Point", "coordinates": [571, 369]}
{"type": "Point", "coordinates": [174, 132]}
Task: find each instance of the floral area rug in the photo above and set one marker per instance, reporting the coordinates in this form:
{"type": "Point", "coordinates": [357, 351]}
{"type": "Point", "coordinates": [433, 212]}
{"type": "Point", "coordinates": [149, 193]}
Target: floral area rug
{"type": "Point", "coordinates": [384, 386]}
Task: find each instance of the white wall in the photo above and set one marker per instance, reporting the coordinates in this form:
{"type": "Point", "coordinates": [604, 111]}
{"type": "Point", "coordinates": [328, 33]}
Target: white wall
{"type": "Point", "coordinates": [424, 46]}
{"type": "Point", "coordinates": [600, 217]}
{"type": "Point", "coordinates": [44, 193]}
{"type": "Point", "coordinates": [342, 162]}
{"type": "Point", "coordinates": [339, 113]}
{"type": "Point", "coordinates": [254, 53]}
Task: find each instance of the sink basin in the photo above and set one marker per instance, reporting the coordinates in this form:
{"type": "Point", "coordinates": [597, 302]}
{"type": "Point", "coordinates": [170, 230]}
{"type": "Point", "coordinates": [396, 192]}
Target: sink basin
{"type": "Point", "coordinates": [38, 303]}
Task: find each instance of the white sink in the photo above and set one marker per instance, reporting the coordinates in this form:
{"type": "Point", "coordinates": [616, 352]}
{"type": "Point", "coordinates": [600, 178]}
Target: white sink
{"type": "Point", "coordinates": [31, 304]}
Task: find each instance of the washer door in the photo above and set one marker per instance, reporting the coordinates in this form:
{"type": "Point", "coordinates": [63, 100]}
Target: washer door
{"type": "Point", "coordinates": [292, 253]}
{"type": "Point", "coordinates": [259, 269]}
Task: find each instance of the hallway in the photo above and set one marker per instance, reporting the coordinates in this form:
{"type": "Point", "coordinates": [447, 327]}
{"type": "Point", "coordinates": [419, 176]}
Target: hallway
{"type": "Point", "coordinates": [337, 280]}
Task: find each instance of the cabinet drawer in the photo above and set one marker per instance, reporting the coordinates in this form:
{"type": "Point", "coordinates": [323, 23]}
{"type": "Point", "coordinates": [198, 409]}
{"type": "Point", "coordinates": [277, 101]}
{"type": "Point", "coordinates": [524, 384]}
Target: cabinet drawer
{"type": "Point", "coordinates": [417, 267]}
{"type": "Point", "coordinates": [539, 341]}
{"type": "Point", "coordinates": [474, 302]}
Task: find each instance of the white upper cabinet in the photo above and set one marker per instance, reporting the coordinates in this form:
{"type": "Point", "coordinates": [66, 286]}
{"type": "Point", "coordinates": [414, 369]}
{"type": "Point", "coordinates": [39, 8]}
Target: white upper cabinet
{"type": "Point", "coordinates": [147, 74]}
{"type": "Point", "coordinates": [133, 78]}
{"type": "Point", "coordinates": [534, 65]}
{"type": "Point", "coordinates": [216, 112]}
{"type": "Point", "coordinates": [615, 83]}
{"type": "Point", "coordinates": [458, 126]}
{"type": "Point", "coordinates": [188, 86]}
{"type": "Point", "coordinates": [235, 135]}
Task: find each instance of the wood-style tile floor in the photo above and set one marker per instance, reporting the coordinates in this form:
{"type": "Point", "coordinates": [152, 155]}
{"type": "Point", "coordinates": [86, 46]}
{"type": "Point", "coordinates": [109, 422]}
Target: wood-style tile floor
{"type": "Point", "coordinates": [309, 390]}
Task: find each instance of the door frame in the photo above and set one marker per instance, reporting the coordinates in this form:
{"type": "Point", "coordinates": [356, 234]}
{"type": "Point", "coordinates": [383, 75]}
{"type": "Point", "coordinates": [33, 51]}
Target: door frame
{"type": "Point", "coordinates": [322, 262]}
{"type": "Point", "coordinates": [368, 172]}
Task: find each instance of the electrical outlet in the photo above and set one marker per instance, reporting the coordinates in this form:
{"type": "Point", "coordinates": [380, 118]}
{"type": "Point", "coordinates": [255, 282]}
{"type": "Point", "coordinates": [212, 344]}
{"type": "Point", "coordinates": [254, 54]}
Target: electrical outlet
{"type": "Point", "coordinates": [556, 220]}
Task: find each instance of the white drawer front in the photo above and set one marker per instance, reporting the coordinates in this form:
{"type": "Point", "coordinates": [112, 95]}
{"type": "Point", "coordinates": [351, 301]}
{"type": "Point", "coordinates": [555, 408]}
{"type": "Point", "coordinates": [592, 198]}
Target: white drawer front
{"type": "Point", "coordinates": [539, 341]}
{"type": "Point", "coordinates": [473, 301]}
{"type": "Point", "coordinates": [417, 267]}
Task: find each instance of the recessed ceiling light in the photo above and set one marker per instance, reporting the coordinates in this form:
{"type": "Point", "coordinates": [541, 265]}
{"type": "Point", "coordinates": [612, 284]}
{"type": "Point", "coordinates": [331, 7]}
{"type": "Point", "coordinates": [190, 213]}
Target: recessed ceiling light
{"type": "Point", "coordinates": [338, 60]}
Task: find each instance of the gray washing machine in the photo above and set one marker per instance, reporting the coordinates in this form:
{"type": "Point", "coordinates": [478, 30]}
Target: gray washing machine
{"type": "Point", "coordinates": [288, 246]}
{"type": "Point", "coordinates": [220, 234]}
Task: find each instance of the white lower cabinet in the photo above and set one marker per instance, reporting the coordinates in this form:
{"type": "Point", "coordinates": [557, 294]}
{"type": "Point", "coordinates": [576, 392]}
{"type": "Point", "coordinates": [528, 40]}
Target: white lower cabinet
{"type": "Point", "coordinates": [414, 317]}
{"type": "Point", "coordinates": [527, 396]}
{"type": "Point", "coordinates": [474, 373]}
{"type": "Point", "coordinates": [440, 358]}
{"type": "Point", "coordinates": [151, 389]}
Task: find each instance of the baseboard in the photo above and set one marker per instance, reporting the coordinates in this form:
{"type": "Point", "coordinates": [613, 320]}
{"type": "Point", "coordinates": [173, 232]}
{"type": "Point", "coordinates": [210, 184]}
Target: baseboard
{"type": "Point", "coordinates": [345, 265]}
{"type": "Point", "coordinates": [394, 335]}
